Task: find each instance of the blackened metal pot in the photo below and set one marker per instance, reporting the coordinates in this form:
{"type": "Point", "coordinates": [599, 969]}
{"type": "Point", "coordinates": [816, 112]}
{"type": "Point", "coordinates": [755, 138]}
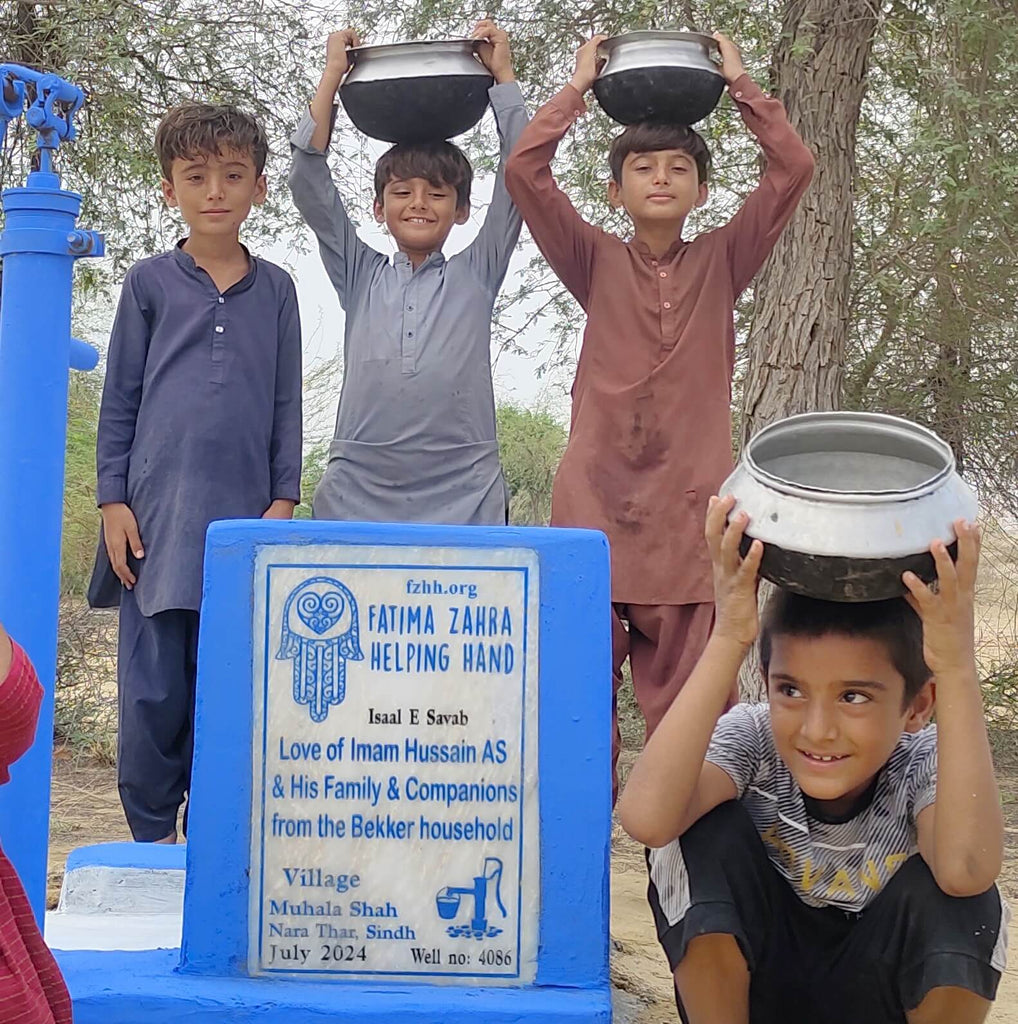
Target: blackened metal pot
{"type": "Point", "coordinates": [416, 92]}
{"type": "Point", "coordinates": [845, 502]}
{"type": "Point", "coordinates": [659, 76]}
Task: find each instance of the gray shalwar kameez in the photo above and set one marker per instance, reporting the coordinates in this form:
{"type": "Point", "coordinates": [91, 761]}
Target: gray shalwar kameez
{"type": "Point", "coordinates": [415, 432]}
{"type": "Point", "coordinates": [200, 420]}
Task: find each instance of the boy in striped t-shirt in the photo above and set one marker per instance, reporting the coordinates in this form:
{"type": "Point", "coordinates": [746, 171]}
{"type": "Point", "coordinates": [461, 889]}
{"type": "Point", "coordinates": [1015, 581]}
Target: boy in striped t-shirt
{"type": "Point", "coordinates": [827, 856]}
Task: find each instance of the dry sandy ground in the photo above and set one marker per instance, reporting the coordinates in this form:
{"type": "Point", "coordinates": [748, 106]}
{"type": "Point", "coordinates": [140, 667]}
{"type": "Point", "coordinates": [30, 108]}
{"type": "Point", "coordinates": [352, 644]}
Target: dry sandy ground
{"type": "Point", "coordinates": [86, 809]}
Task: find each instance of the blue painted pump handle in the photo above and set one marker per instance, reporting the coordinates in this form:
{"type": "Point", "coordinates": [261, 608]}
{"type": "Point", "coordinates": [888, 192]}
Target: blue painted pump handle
{"type": "Point", "coordinates": [83, 355]}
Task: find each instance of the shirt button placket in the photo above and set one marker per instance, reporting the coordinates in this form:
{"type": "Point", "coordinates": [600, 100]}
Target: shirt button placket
{"type": "Point", "coordinates": [218, 348]}
{"type": "Point", "coordinates": [665, 304]}
{"type": "Point", "coordinates": [667, 317]}
{"type": "Point", "coordinates": [409, 340]}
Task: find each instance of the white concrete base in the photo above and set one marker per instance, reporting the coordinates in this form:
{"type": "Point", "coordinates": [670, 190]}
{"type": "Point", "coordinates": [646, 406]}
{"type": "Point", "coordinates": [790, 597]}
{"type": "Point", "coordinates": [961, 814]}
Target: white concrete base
{"type": "Point", "coordinates": [112, 931]}
{"type": "Point", "coordinates": [119, 896]}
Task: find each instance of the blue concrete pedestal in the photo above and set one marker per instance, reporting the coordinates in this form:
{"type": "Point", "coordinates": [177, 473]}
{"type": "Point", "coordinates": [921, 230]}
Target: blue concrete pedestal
{"type": "Point", "coordinates": [129, 988]}
{"type": "Point", "coordinates": [222, 973]}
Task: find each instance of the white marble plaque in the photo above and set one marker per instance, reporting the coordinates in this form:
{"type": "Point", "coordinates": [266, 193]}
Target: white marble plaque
{"type": "Point", "coordinates": [395, 813]}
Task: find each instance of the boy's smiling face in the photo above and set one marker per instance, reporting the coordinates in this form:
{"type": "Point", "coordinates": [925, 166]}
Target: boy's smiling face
{"type": "Point", "coordinates": [215, 192]}
{"type": "Point", "coordinates": [658, 186]}
{"type": "Point", "coordinates": [419, 214]}
{"type": "Point", "coordinates": [837, 712]}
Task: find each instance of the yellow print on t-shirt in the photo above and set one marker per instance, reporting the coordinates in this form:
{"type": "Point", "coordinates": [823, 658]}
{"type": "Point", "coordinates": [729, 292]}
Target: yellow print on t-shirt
{"type": "Point", "coordinates": [845, 883]}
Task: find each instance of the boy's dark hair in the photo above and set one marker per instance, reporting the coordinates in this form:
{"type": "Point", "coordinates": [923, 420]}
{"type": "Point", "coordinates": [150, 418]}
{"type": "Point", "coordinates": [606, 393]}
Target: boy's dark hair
{"type": "Point", "coordinates": [440, 163]}
{"type": "Point", "coordinates": [893, 624]}
{"type": "Point", "coordinates": [651, 137]}
{"type": "Point", "coordinates": [202, 129]}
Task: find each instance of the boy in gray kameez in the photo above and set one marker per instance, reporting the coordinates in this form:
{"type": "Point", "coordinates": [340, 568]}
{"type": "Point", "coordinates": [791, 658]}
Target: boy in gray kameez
{"type": "Point", "coordinates": [200, 420]}
{"type": "Point", "coordinates": [415, 432]}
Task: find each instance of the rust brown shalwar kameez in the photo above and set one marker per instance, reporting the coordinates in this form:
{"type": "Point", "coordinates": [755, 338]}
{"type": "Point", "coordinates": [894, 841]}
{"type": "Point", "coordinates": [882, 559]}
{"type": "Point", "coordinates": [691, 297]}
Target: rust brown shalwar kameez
{"type": "Point", "coordinates": [650, 438]}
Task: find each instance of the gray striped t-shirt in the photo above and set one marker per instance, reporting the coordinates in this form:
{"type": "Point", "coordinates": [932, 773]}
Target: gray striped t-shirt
{"type": "Point", "coordinates": [841, 865]}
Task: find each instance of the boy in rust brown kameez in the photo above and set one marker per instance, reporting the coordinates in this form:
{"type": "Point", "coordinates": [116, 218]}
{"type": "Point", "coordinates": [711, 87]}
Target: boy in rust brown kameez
{"type": "Point", "coordinates": [650, 438]}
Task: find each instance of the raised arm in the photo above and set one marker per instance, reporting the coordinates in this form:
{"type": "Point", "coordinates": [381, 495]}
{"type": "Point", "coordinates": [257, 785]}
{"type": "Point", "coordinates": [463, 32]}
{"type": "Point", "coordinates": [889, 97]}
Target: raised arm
{"type": "Point", "coordinates": [565, 239]}
{"type": "Point", "coordinates": [285, 446]}
{"type": "Point", "coordinates": [751, 234]}
{"type": "Point", "coordinates": [672, 785]}
{"type": "Point", "coordinates": [961, 832]}
{"type": "Point", "coordinates": [315, 195]}
{"type": "Point", "coordinates": [491, 250]}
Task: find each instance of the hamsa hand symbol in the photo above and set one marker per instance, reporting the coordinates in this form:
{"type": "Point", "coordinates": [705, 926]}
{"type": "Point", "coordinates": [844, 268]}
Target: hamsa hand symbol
{"type": "Point", "coordinates": [320, 634]}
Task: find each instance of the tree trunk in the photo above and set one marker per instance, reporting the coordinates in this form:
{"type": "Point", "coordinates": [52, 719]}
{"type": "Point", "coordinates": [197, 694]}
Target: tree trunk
{"type": "Point", "coordinates": [800, 321]}
{"type": "Point", "coordinates": [33, 38]}
{"type": "Point", "coordinates": [951, 376]}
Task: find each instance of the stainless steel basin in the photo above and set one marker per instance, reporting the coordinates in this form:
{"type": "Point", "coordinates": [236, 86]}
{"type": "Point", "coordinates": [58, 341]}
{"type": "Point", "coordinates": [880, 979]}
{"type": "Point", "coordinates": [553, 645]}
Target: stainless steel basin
{"type": "Point", "coordinates": [659, 76]}
{"type": "Point", "coordinates": [846, 502]}
{"type": "Point", "coordinates": [416, 92]}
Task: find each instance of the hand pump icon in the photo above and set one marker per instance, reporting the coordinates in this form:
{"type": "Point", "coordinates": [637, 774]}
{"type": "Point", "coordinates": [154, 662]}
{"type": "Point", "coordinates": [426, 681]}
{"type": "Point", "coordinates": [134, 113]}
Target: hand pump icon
{"type": "Point", "coordinates": [448, 902]}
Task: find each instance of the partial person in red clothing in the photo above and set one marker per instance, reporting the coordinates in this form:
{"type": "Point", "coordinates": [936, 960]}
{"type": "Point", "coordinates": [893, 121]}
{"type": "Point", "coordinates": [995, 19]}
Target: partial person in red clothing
{"type": "Point", "coordinates": [650, 438]}
{"type": "Point", "coordinates": [31, 988]}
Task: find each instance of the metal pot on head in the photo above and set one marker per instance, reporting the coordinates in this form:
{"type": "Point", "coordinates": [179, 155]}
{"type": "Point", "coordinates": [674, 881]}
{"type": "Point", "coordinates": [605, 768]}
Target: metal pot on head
{"type": "Point", "coordinates": [845, 502]}
{"type": "Point", "coordinates": [416, 92]}
{"type": "Point", "coordinates": [659, 76]}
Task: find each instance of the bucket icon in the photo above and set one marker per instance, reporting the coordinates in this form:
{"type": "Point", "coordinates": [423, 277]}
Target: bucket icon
{"type": "Point", "coordinates": [448, 901]}
{"type": "Point", "coordinates": [448, 904]}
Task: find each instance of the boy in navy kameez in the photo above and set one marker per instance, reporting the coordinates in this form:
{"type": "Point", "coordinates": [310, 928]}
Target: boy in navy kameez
{"type": "Point", "coordinates": [200, 420]}
{"type": "Point", "coordinates": [415, 432]}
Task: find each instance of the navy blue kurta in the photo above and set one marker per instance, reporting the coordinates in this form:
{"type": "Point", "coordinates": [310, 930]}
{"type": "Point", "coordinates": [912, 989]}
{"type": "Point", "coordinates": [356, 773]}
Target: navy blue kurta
{"type": "Point", "coordinates": [200, 416]}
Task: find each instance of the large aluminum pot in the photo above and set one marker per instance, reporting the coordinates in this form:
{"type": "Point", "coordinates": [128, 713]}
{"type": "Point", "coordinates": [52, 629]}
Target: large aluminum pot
{"type": "Point", "coordinates": [416, 92]}
{"type": "Point", "coordinates": [659, 76]}
{"type": "Point", "coordinates": [845, 502]}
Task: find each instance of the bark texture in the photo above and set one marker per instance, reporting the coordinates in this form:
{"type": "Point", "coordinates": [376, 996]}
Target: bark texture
{"type": "Point", "coordinates": [800, 323]}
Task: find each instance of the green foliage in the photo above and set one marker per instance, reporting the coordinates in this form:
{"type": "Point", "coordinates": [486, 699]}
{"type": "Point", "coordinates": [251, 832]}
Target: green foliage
{"type": "Point", "coordinates": [315, 461]}
{"type": "Point", "coordinates": [86, 693]}
{"type": "Point", "coordinates": [530, 443]}
{"type": "Point", "coordinates": [935, 324]}
{"type": "Point", "coordinates": [85, 714]}
{"type": "Point", "coordinates": [137, 59]}
{"type": "Point", "coordinates": [81, 517]}
{"type": "Point", "coordinates": [1000, 694]}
